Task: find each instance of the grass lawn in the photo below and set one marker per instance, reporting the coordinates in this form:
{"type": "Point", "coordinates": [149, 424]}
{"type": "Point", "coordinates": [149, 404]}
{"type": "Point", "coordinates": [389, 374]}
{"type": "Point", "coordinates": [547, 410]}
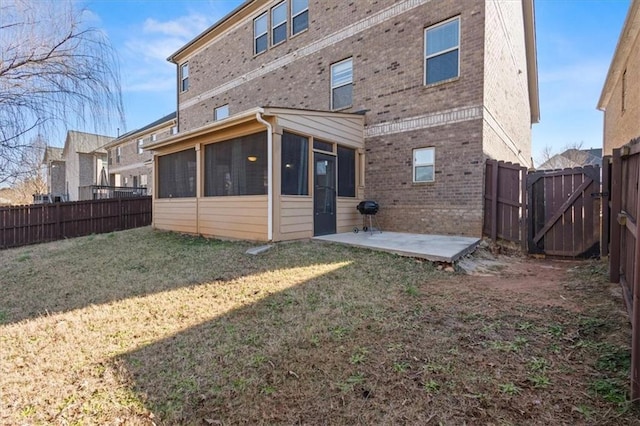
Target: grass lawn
{"type": "Point", "coordinates": [143, 327]}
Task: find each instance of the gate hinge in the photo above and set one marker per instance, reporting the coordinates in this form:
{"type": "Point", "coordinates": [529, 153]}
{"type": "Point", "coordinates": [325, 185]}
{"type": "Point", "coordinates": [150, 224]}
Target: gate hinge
{"type": "Point", "coordinates": [599, 194]}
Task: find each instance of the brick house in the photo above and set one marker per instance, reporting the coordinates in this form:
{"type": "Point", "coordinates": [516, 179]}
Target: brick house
{"type": "Point", "coordinates": [130, 165]}
{"type": "Point", "coordinates": [399, 101]}
{"type": "Point", "coordinates": [85, 163]}
{"type": "Point", "coordinates": [620, 98]}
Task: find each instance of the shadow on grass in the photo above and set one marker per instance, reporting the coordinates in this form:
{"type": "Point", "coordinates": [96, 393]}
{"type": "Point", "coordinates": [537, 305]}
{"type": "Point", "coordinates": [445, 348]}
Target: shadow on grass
{"type": "Point", "coordinates": [67, 275]}
{"type": "Point", "coordinates": [339, 348]}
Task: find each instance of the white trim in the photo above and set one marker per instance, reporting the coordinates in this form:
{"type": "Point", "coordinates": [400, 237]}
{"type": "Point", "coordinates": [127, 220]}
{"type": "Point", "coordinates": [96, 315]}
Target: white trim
{"type": "Point", "coordinates": [455, 115]}
{"type": "Point", "coordinates": [441, 52]}
{"type": "Point", "coordinates": [216, 116]}
{"type": "Point", "coordinates": [329, 41]}
{"type": "Point", "coordinates": [269, 174]}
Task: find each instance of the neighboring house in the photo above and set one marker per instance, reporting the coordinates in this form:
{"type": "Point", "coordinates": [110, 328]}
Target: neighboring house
{"type": "Point", "coordinates": [291, 112]}
{"type": "Point", "coordinates": [129, 164]}
{"type": "Point", "coordinates": [54, 173]}
{"type": "Point", "coordinates": [85, 163]}
{"type": "Point", "coordinates": [572, 158]}
{"type": "Point", "coordinates": [620, 98]}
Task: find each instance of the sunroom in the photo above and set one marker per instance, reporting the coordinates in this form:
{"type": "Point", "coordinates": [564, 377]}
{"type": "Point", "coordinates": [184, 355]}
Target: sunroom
{"type": "Point", "coordinates": [267, 174]}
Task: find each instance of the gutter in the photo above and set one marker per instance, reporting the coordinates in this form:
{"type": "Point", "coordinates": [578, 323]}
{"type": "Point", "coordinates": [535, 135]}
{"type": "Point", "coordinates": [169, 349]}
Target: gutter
{"type": "Point", "coordinates": [269, 174]}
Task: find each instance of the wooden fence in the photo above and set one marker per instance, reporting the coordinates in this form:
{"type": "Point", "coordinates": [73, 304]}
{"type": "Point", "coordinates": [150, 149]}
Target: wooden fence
{"type": "Point", "coordinates": [38, 223]}
{"type": "Point", "coordinates": [504, 201]}
{"type": "Point", "coordinates": [624, 248]}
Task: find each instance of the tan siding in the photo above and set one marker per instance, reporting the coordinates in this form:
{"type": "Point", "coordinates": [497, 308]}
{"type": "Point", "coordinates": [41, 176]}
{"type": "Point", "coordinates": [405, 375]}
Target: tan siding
{"type": "Point", "coordinates": [344, 131]}
{"type": "Point", "coordinates": [348, 215]}
{"type": "Point", "coordinates": [234, 217]}
{"type": "Point", "coordinates": [176, 215]}
{"type": "Point", "coordinates": [296, 217]}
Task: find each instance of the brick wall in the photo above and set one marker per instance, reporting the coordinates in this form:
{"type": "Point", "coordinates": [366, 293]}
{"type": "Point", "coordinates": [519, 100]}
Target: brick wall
{"type": "Point", "coordinates": [401, 112]}
{"type": "Point", "coordinates": [620, 127]}
{"type": "Point", "coordinates": [507, 129]}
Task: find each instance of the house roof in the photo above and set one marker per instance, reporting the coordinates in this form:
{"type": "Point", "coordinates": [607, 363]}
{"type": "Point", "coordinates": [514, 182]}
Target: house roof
{"type": "Point", "coordinates": [630, 33]}
{"type": "Point", "coordinates": [85, 143]}
{"type": "Point", "coordinates": [243, 117]}
{"type": "Point", "coordinates": [158, 123]}
{"type": "Point", "coordinates": [52, 153]}
{"type": "Point", "coordinates": [572, 158]}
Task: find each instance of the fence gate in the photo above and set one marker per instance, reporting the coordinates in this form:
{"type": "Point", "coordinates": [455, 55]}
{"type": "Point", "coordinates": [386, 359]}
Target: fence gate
{"type": "Point", "coordinates": [564, 212]}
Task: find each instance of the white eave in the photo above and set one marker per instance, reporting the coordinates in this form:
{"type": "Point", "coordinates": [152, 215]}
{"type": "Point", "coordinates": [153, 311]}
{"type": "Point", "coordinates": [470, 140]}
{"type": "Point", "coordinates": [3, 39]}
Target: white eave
{"type": "Point", "coordinates": [628, 36]}
{"type": "Point", "coordinates": [532, 58]}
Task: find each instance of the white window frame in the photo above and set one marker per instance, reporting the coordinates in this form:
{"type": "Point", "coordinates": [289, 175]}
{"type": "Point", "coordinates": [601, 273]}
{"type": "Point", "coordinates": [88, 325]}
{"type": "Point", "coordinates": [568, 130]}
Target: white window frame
{"type": "Point", "coordinates": [140, 144]}
{"type": "Point", "coordinates": [306, 9]}
{"type": "Point", "coordinates": [184, 77]}
{"type": "Point", "coordinates": [417, 164]}
{"type": "Point", "coordinates": [442, 52]}
{"type": "Point", "coordinates": [275, 25]}
{"type": "Point", "coordinates": [265, 15]}
{"type": "Point", "coordinates": [153, 137]}
{"type": "Point", "coordinates": [217, 116]}
{"type": "Point", "coordinates": [334, 86]}
{"type": "Point", "coordinates": [174, 130]}
{"type": "Point", "coordinates": [118, 154]}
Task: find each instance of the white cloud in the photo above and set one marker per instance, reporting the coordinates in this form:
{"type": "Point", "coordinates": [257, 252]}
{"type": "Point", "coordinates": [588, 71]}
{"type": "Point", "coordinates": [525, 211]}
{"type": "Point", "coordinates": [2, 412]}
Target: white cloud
{"type": "Point", "coordinates": [185, 27]}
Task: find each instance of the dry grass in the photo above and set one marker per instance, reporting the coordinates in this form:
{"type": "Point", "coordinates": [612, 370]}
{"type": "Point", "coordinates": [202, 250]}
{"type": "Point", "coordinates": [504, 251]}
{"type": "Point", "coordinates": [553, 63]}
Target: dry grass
{"type": "Point", "coordinates": [139, 327]}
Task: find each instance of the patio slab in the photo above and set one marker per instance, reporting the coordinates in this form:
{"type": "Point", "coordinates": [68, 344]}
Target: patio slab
{"type": "Point", "coordinates": [436, 248]}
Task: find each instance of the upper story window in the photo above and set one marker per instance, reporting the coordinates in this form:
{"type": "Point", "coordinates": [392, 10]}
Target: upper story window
{"type": "Point", "coordinates": [221, 112]}
{"type": "Point", "coordinates": [423, 164]}
{"type": "Point", "coordinates": [442, 51]}
{"type": "Point", "coordinates": [342, 84]}
{"type": "Point", "coordinates": [140, 144]}
{"type": "Point", "coordinates": [184, 77]}
{"type": "Point", "coordinates": [153, 137]}
{"type": "Point", "coordinates": [279, 23]}
{"type": "Point", "coordinates": [299, 16]}
{"type": "Point", "coordinates": [174, 130]}
{"type": "Point", "coordinates": [118, 154]}
{"type": "Point", "coordinates": [260, 34]}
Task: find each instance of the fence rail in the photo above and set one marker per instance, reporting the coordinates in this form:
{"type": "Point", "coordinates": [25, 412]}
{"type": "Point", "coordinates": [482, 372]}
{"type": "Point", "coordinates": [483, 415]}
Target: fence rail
{"type": "Point", "coordinates": [38, 223]}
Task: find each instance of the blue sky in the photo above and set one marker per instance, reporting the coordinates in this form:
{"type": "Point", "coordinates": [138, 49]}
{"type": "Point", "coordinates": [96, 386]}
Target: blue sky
{"type": "Point", "coordinates": [576, 40]}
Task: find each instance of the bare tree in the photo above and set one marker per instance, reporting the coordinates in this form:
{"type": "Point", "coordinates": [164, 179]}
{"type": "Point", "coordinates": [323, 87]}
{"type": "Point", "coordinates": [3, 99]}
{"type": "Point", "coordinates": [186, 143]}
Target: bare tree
{"type": "Point", "coordinates": [55, 72]}
{"type": "Point", "coordinates": [571, 151]}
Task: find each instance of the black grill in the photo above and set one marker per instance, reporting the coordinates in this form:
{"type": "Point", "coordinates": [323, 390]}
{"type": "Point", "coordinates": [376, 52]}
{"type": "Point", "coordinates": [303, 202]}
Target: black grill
{"type": "Point", "coordinates": [368, 207]}
{"type": "Point", "coordinates": [368, 210]}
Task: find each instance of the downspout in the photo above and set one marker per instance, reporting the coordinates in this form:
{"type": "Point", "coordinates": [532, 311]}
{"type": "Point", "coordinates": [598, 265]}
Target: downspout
{"type": "Point", "coordinates": [269, 174]}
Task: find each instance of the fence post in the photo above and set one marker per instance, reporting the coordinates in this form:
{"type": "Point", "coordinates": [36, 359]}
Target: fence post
{"type": "Point", "coordinates": [523, 206]}
{"type": "Point", "coordinates": [616, 208]}
{"type": "Point", "coordinates": [605, 187]}
{"type": "Point", "coordinates": [494, 201]}
{"type": "Point", "coordinates": [635, 315]}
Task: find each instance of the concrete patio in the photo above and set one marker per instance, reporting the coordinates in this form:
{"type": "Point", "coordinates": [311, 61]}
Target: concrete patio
{"type": "Point", "coordinates": [436, 248]}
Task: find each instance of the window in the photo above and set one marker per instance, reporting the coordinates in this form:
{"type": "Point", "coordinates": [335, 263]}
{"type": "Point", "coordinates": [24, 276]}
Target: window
{"type": "Point", "coordinates": [221, 112]}
{"type": "Point", "coordinates": [279, 23]}
{"type": "Point", "coordinates": [346, 172]}
{"type": "Point", "coordinates": [423, 164]}
{"type": "Point", "coordinates": [342, 84]}
{"type": "Point", "coordinates": [174, 130]}
{"type": "Point", "coordinates": [299, 16]}
{"type": "Point", "coordinates": [184, 77]}
{"type": "Point", "coordinates": [236, 167]}
{"type": "Point", "coordinates": [143, 180]}
{"type": "Point", "coordinates": [153, 137]}
{"type": "Point", "coordinates": [260, 34]}
{"type": "Point", "coordinates": [442, 51]}
{"type": "Point", "coordinates": [140, 144]}
{"type": "Point", "coordinates": [177, 174]}
{"type": "Point", "coordinates": [118, 154]}
{"type": "Point", "coordinates": [295, 165]}
{"type": "Point", "coordinates": [322, 145]}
